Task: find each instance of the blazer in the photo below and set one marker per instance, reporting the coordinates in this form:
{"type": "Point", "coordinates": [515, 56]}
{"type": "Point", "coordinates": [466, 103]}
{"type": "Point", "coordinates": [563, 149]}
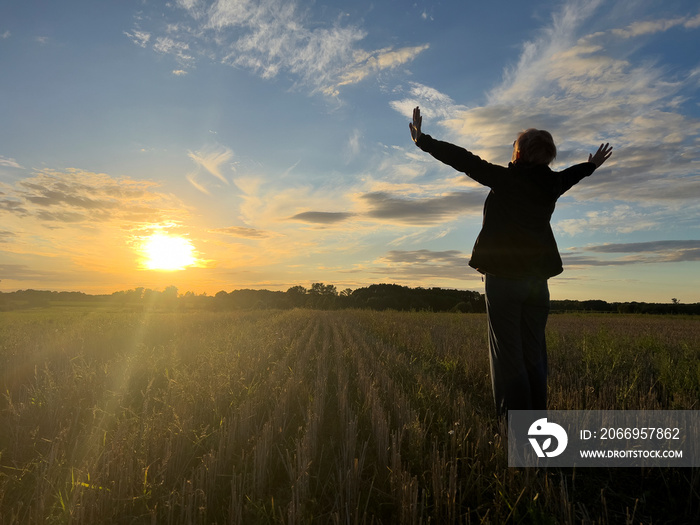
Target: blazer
{"type": "Point", "coordinates": [516, 239]}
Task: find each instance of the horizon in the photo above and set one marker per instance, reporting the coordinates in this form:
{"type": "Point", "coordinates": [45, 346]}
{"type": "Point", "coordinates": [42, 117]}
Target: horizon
{"type": "Point", "coordinates": [182, 293]}
{"type": "Point", "coordinates": [216, 145]}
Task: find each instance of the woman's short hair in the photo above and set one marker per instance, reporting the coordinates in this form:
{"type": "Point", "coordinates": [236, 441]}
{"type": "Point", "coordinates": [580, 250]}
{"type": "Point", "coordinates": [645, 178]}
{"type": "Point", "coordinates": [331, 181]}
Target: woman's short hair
{"type": "Point", "coordinates": [536, 146]}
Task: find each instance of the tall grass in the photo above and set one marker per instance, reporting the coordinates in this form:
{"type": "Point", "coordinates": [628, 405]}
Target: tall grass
{"type": "Point", "coordinates": [317, 417]}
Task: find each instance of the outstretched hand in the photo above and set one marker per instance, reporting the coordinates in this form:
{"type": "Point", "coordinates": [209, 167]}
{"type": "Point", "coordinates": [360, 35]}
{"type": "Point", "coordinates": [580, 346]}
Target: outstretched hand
{"type": "Point", "coordinates": [415, 125]}
{"type": "Point", "coordinates": [603, 154]}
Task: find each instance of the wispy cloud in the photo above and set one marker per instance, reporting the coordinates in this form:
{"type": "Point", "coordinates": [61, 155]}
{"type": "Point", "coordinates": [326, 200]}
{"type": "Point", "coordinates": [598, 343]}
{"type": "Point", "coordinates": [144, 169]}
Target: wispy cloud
{"type": "Point", "coordinates": [353, 147]}
{"type": "Point", "coordinates": [321, 217]}
{"type": "Point", "coordinates": [192, 179]}
{"type": "Point", "coordinates": [620, 219]}
{"type": "Point", "coordinates": [270, 38]}
{"type": "Point", "coordinates": [240, 231]}
{"type": "Point", "coordinates": [210, 159]}
{"type": "Point", "coordinates": [586, 88]}
{"type": "Point", "coordinates": [649, 27]}
{"type": "Point", "coordinates": [434, 105]}
{"type": "Point", "coordinates": [140, 38]}
{"type": "Point", "coordinates": [578, 260]}
{"type": "Point", "coordinates": [5, 235]}
{"type": "Point", "coordinates": [423, 265]}
{"type": "Point", "coordinates": [177, 48]}
{"type": "Point", "coordinates": [21, 272]}
{"type": "Point", "coordinates": [401, 210]}
{"type": "Point", "coordinates": [368, 63]}
{"type": "Point", "coordinates": [655, 251]}
{"type": "Point", "coordinates": [77, 196]}
{"type": "Point", "coordinates": [662, 246]}
{"type": "Point", "coordinates": [425, 211]}
{"type": "Point", "coordinates": [9, 163]}
{"type": "Point", "coordinates": [650, 252]}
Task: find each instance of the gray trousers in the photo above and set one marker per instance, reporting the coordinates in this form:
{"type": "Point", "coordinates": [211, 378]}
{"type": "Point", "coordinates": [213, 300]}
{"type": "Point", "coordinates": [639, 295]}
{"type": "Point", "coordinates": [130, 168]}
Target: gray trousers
{"type": "Point", "coordinates": [517, 312]}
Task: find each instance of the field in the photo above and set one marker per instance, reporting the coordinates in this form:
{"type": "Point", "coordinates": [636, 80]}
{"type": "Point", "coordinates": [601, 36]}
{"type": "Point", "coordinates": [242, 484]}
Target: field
{"type": "Point", "coordinates": [306, 416]}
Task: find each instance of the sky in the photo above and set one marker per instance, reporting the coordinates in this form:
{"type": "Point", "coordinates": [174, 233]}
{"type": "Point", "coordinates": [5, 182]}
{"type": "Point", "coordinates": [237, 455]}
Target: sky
{"type": "Point", "coordinates": [228, 144]}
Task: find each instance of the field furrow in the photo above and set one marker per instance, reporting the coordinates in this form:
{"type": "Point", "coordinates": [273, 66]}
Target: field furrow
{"type": "Point", "coordinates": [307, 416]}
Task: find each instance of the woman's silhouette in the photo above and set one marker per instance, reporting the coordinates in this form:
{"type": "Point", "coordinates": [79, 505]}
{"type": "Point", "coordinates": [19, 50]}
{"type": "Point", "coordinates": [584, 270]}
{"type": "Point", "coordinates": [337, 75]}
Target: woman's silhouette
{"type": "Point", "coordinates": [517, 253]}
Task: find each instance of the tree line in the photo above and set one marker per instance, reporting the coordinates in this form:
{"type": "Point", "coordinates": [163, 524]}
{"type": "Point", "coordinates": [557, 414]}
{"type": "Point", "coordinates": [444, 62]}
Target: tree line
{"type": "Point", "coordinates": [319, 296]}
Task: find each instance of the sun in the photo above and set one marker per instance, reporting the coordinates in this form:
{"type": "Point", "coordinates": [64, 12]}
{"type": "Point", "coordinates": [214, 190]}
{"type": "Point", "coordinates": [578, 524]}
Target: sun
{"type": "Point", "coordinates": [168, 252]}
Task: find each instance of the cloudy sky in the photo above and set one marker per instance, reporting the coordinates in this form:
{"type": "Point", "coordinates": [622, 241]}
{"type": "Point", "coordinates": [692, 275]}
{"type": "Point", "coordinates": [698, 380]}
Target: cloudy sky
{"type": "Point", "coordinates": [269, 139]}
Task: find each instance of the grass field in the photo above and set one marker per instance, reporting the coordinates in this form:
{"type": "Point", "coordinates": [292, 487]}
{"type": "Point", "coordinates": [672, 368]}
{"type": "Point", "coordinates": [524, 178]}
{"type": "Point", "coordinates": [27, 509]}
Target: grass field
{"type": "Point", "coordinates": [307, 416]}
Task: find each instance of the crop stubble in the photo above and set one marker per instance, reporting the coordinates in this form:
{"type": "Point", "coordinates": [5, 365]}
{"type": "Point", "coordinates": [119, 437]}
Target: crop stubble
{"type": "Point", "coordinates": [316, 416]}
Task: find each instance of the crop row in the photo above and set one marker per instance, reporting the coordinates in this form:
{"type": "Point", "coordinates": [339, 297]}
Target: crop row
{"type": "Point", "coordinates": [309, 416]}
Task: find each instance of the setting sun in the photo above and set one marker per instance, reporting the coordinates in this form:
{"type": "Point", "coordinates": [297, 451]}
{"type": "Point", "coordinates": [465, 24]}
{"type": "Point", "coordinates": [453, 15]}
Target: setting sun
{"type": "Point", "coordinates": [167, 252]}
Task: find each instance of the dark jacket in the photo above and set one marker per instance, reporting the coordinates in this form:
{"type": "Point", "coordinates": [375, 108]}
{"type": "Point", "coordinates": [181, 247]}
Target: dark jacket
{"type": "Point", "coordinates": [516, 239]}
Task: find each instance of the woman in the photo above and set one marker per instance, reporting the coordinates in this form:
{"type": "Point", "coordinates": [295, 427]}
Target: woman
{"type": "Point", "coordinates": [517, 253]}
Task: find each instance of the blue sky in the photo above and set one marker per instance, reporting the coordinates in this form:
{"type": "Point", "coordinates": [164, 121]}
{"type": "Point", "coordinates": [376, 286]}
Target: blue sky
{"type": "Point", "coordinates": [272, 136]}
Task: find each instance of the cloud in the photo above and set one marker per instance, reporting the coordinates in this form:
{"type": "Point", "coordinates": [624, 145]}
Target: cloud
{"type": "Point", "coordinates": [60, 216]}
{"type": "Point", "coordinates": [321, 217]}
{"type": "Point", "coordinates": [21, 272]}
{"type": "Point", "coordinates": [572, 260]}
{"type": "Point", "coordinates": [425, 257]}
{"type": "Point", "coordinates": [692, 23]}
{"type": "Point", "coordinates": [650, 27]}
{"type": "Point", "coordinates": [421, 211]}
{"type": "Point", "coordinates": [179, 49]}
{"type": "Point", "coordinates": [367, 63]}
{"type": "Point", "coordinates": [422, 265]}
{"type": "Point", "coordinates": [650, 252]}
{"type": "Point", "coordinates": [5, 236]}
{"type": "Point", "coordinates": [77, 196]}
{"type": "Point", "coordinates": [650, 246]}
{"type": "Point", "coordinates": [273, 37]}
{"type": "Point", "coordinates": [9, 163]}
{"type": "Point", "coordinates": [5, 35]}
{"type": "Point", "coordinates": [13, 205]}
{"type": "Point", "coordinates": [587, 88]}
{"type": "Point", "coordinates": [140, 38]}
{"type": "Point", "coordinates": [392, 208]}
{"type": "Point", "coordinates": [353, 147]}
{"type": "Point", "coordinates": [662, 251]}
{"type": "Point", "coordinates": [621, 219]}
{"type": "Point", "coordinates": [239, 231]}
{"type": "Point", "coordinates": [433, 104]}
{"type": "Point", "coordinates": [211, 159]}
{"type": "Point", "coordinates": [192, 179]}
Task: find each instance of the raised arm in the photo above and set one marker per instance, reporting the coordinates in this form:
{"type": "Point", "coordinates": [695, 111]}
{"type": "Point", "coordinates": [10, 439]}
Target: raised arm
{"type": "Point", "coordinates": [603, 154]}
{"type": "Point", "coordinates": [454, 156]}
{"type": "Point", "coordinates": [415, 125]}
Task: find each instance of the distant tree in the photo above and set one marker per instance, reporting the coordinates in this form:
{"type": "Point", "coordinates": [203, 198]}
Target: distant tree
{"type": "Point", "coordinates": [323, 289]}
{"type": "Point", "coordinates": [296, 296]}
{"type": "Point", "coordinates": [169, 294]}
{"type": "Point", "coordinates": [323, 296]}
{"type": "Point", "coordinates": [150, 297]}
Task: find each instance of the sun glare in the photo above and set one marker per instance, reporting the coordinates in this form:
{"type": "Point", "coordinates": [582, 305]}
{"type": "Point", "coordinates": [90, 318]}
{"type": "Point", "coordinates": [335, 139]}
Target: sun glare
{"type": "Point", "coordinates": [168, 252]}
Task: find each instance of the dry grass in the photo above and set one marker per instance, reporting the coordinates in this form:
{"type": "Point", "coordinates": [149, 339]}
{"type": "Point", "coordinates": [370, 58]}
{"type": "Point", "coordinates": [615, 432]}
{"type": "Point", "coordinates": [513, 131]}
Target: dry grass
{"type": "Point", "coordinates": [317, 417]}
